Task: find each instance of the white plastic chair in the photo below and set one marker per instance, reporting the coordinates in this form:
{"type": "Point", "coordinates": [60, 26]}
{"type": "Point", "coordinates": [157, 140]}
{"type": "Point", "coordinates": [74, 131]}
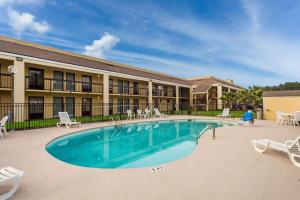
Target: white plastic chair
{"type": "Point", "coordinates": [157, 113]}
{"type": "Point", "coordinates": [291, 147]}
{"type": "Point", "coordinates": [296, 118]}
{"type": "Point", "coordinates": [130, 114]}
{"type": "Point", "coordinates": [2, 126]}
{"type": "Point", "coordinates": [65, 120]}
{"type": "Point", "coordinates": [225, 113]}
{"type": "Point", "coordinates": [281, 119]}
{"type": "Point", "coordinates": [140, 114]}
{"type": "Point", "coordinates": [147, 113]}
{"type": "Point", "coordinates": [10, 175]}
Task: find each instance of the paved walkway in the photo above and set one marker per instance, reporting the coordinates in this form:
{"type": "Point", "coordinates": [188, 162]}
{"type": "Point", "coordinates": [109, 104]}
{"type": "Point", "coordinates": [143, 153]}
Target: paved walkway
{"type": "Point", "coordinates": [225, 168]}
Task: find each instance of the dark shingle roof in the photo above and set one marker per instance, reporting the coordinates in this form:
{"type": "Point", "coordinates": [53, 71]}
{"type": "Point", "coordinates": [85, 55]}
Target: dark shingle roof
{"type": "Point", "coordinates": [33, 50]}
{"type": "Point", "coordinates": [282, 93]}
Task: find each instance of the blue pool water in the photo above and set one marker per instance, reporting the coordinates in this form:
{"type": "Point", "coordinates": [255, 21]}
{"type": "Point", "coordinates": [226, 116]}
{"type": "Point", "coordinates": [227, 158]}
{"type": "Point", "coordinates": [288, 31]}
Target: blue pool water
{"type": "Point", "coordinates": [129, 146]}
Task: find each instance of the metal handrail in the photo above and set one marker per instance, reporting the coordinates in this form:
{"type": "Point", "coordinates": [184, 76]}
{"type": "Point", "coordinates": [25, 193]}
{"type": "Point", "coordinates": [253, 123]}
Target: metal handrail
{"type": "Point", "coordinates": [116, 120]}
{"type": "Point", "coordinates": [208, 127]}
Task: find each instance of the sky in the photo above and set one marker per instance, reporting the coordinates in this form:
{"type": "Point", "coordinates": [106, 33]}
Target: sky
{"type": "Point", "coordinates": [253, 42]}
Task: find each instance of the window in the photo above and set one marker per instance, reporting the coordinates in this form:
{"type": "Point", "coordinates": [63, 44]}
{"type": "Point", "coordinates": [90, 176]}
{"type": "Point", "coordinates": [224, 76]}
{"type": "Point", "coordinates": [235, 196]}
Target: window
{"type": "Point", "coordinates": [120, 105]}
{"type": "Point", "coordinates": [126, 87]}
{"type": "Point", "coordinates": [58, 80]}
{"type": "Point", "coordinates": [120, 87]}
{"type": "Point", "coordinates": [111, 86]}
{"type": "Point", "coordinates": [155, 103]}
{"type": "Point", "coordinates": [135, 105]}
{"type": "Point", "coordinates": [36, 78]}
{"type": "Point", "coordinates": [135, 88]}
{"type": "Point", "coordinates": [86, 83]}
{"type": "Point", "coordinates": [86, 106]}
{"type": "Point", "coordinates": [70, 82]}
{"type": "Point", "coordinates": [165, 91]}
{"type": "Point", "coordinates": [126, 105]}
{"type": "Point", "coordinates": [111, 106]}
{"type": "Point", "coordinates": [155, 90]}
{"type": "Point", "coordinates": [58, 105]}
{"type": "Point", "coordinates": [36, 107]}
{"type": "Point", "coordinates": [70, 106]}
{"type": "Point", "coordinates": [174, 92]}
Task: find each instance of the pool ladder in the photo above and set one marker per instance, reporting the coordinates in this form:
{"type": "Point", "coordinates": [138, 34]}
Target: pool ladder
{"type": "Point", "coordinates": [116, 121]}
{"type": "Point", "coordinates": [209, 127]}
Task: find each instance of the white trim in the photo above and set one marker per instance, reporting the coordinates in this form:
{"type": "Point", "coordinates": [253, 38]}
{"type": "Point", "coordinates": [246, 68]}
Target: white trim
{"type": "Point", "coordinates": [94, 70]}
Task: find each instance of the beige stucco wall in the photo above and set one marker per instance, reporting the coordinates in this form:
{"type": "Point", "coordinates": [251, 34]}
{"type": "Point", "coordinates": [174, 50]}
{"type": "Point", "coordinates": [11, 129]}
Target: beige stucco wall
{"type": "Point", "coordinates": [286, 104]}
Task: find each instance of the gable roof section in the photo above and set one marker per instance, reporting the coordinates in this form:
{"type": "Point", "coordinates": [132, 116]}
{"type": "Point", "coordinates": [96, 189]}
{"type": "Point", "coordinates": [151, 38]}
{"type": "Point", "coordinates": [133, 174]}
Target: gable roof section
{"type": "Point", "coordinates": [282, 93]}
{"type": "Point", "coordinates": [38, 51]}
{"type": "Point", "coordinates": [203, 84]}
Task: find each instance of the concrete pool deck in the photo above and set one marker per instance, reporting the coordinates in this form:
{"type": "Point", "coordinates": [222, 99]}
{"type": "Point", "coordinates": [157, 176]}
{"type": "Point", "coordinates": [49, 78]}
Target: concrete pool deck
{"type": "Point", "coordinates": [225, 168]}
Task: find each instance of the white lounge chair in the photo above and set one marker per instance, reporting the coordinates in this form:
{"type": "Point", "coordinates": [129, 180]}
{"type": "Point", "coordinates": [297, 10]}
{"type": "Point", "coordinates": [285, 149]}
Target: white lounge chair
{"type": "Point", "coordinates": [296, 118]}
{"type": "Point", "coordinates": [130, 114]}
{"type": "Point", "coordinates": [65, 120]}
{"type": "Point", "coordinates": [157, 113]}
{"type": "Point", "coordinates": [225, 113]}
{"type": "Point", "coordinates": [140, 114]}
{"type": "Point", "coordinates": [291, 147]}
{"type": "Point", "coordinates": [10, 175]}
{"type": "Point", "coordinates": [2, 126]}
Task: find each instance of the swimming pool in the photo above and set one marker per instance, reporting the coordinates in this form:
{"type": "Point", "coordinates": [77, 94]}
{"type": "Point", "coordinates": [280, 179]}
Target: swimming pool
{"type": "Point", "coordinates": [131, 145]}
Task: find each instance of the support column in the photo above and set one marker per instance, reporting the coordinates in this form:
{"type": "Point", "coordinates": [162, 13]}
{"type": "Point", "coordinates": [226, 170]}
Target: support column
{"type": "Point", "coordinates": [219, 93]}
{"type": "Point", "coordinates": [207, 100]}
{"type": "Point", "coordinates": [150, 99]}
{"type": "Point", "coordinates": [105, 94]}
{"type": "Point", "coordinates": [18, 92]}
{"type": "Point", "coordinates": [191, 97]}
{"type": "Point", "coordinates": [177, 97]}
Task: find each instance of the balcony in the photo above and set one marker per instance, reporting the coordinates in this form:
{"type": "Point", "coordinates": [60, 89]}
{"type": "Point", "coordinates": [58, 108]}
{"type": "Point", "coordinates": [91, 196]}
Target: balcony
{"type": "Point", "coordinates": [56, 85]}
{"type": "Point", "coordinates": [163, 93]}
{"type": "Point", "coordinates": [5, 81]}
{"type": "Point", "coordinates": [132, 91]}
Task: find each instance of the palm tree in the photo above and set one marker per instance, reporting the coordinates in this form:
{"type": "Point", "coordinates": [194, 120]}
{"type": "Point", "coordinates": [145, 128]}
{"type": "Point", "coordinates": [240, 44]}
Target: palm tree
{"type": "Point", "coordinates": [243, 96]}
{"type": "Point", "coordinates": [256, 96]}
{"type": "Point", "coordinates": [228, 98]}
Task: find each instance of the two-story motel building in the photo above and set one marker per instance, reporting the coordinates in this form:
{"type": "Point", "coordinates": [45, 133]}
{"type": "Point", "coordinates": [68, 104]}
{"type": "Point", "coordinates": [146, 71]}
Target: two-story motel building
{"type": "Point", "coordinates": [51, 76]}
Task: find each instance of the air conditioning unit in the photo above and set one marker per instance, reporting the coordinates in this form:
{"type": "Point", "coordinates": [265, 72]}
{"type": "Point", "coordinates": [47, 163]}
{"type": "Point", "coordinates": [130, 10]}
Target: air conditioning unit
{"type": "Point", "coordinates": [159, 87]}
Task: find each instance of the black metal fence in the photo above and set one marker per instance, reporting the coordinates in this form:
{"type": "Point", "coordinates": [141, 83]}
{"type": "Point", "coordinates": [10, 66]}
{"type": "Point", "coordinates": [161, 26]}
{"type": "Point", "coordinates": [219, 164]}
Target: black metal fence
{"type": "Point", "coordinates": [38, 115]}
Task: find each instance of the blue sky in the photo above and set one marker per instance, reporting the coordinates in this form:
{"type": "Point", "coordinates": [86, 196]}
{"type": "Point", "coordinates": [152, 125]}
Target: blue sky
{"type": "Point", "coordinates": [249, 41]}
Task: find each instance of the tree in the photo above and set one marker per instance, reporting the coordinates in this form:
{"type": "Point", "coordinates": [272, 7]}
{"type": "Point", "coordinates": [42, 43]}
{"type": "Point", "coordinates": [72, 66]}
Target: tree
{"type": "Point", "coordinates": [283, 86]}
{"type": "Point", "coordinates": [255, 96]}
{"type": "Point", "coordinates": [243, 97]}
{"type": "Point", "coordinates": [228, 98]}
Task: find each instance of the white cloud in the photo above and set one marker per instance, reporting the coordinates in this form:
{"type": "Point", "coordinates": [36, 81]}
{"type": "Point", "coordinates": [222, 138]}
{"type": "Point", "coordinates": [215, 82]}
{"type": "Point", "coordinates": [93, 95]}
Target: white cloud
{"type": "Point", "coordinates": [21, 22]}
{"type": "Point", "coordinates": [99, 48]}
{"type": "Point", "coordinates": [20, 2]}
{"type": "Point", "coordinates": [252, 9]}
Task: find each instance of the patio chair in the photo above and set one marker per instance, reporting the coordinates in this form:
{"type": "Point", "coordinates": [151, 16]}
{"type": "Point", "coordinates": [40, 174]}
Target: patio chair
{"type": "Point", "coordinates": [248, 118]}
{"type": "Point", "coordinates": [147, 113]}
{"type": "Point", "coordinates": [10, 175]}
{"type": "Point", "coordinates": [130, 114]}
{"type": "Point", "coordinates": [291, 147]}
{"type": "Point", "coordinates": [2, 126]}
{"type": "Point", "coordinates": [225, 113]}
{"type": "Point", "coordinates": [296, 118]}
{"type": "Point", "coordinates": [157, 113]}
{"type": "Point", "coordinates": [65, 120]}
{"type": "Point", "coordinates": [280, 118]}
{"type": "Point", "coordinates": [140, 114]}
